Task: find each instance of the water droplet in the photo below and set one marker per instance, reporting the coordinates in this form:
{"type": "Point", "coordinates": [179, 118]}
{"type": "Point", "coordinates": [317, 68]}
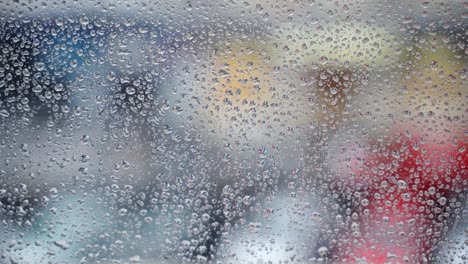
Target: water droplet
{"type": "Point", "coordinates": [84, 21]}
{"type": "Point", "coordinates": [130, 90]}
{"type": "Point", "coordinates": [365, 202]}
{"type": "Point", "coordinates": [205, 217]}
{"type": "Point", "coordinates": [247, 200]}
{"type": "Point", "coordinates": [402, 185]}
{"type": "Point", "coordinates": [4, 113]}
{"type": "Point", "coordinates": [135, 259]}
{"type": "Point", "coordinates": [74, 63]}
{"type": "Point", "coordinates": [406, 197]}
{"type": "Point", "coordinates": [431, 190]}
{"type": "Point", "coordinates": [123, 212]}
{"type": "Point", "coordinates": [58, 87]}
{"type": "Point", "coordinates": [462, 149]}
{"type": "Point", "coordinates": [53, 192]}
{"type": "Point", "coordinates": [111, 76]}
{"type": "Point", "coordinates": [62, 244]}
{"type": "Point", "coordinates": [442, 201]}
{"type": "Point", "coordinates": [39, 66]}
{"type": "Point", "coordinates": [322, 251]}
{"type": "Point", "coordinates": [37, 88]}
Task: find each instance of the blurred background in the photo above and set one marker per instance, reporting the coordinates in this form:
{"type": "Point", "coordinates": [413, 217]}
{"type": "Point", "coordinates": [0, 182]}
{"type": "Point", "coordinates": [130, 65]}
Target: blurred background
{"type": "Point", "coordinates": [256, 132]}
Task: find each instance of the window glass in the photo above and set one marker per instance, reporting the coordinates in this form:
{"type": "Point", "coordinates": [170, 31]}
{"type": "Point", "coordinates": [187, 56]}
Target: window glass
{"type": "Point", "coordinates": [261, 131]}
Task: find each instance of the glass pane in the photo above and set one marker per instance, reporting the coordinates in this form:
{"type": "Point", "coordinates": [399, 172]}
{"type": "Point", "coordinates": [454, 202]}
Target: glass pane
{"type": "Point", "coordinates": [257, 131]}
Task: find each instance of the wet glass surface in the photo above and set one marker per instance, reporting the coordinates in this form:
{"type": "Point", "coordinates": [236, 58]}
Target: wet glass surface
{"type": "Point", "coordinates": [233, 131]}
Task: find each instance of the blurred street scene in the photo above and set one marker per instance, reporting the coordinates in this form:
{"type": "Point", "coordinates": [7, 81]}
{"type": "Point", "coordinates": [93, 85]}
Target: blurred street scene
{"type": "Point", "coordinates": [263, 131]}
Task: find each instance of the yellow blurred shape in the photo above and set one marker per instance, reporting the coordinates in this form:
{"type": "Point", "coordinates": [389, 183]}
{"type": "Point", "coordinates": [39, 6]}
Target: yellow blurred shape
{"type": "Point", "coordinates": [240, 78]}
{"type": "Point", "coordinates": [434, 82]}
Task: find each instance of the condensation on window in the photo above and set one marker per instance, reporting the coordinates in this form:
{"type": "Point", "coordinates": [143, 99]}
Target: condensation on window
{"type": "Point", "coordinates": [256, 131]}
